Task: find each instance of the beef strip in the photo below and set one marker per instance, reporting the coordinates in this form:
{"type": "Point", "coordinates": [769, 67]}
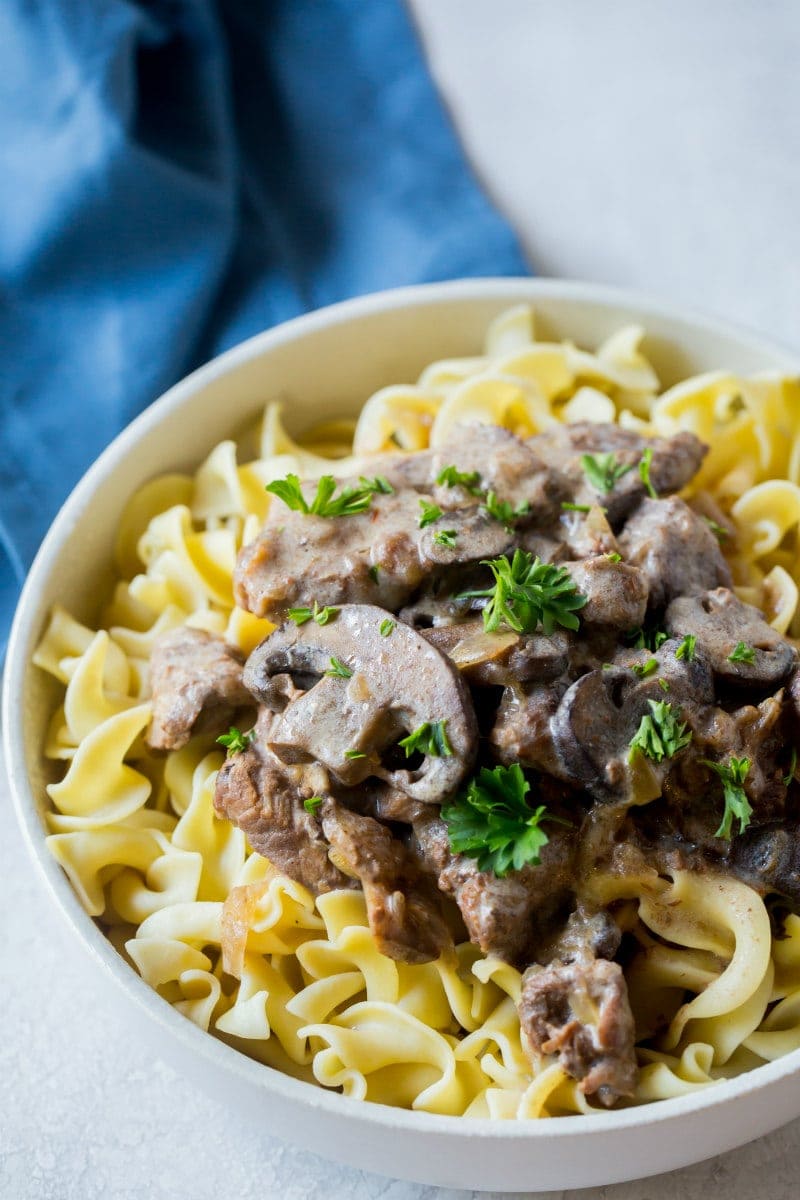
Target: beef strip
{"type": "Point", "coordinates": [504, 916]}
{"type": "Point", "coordinates": [522, 731]}
{"type": "Point", "coordinates": [264, 797]}
{"type": "Point", "coordinates": [674, 549]}
{"type": "Point", "coordinates": [197, 685]}
{"type": "Point", "coordinates": [580, 1011]}
{"type": "Point", "coordinates": [403, 906]}
{"type": "Point", "coordinates": [616, 592]}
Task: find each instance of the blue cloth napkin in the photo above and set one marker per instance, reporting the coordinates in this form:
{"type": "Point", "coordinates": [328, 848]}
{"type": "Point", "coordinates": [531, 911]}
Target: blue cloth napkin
{"type": "Point", "coordinates": [178, 175]}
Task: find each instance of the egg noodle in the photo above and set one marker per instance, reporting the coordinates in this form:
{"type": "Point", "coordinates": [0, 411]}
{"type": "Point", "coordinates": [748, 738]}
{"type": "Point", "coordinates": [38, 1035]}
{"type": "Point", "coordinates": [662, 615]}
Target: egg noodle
{"type": "Point", "coordinates": [297, 983]}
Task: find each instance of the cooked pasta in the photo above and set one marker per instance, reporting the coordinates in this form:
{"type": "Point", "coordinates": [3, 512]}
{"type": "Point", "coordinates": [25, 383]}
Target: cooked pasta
{"type": "Point", "coordinates": [299, 984]}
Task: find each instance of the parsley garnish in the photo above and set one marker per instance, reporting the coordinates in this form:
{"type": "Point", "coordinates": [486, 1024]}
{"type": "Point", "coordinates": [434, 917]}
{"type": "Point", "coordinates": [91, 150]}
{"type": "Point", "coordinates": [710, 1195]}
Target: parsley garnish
{"type": "Point", "coordinates": [660, 733]}
{"type": "Point", "coordinates": [387, 625]}
{"type": "Point", "coordinates": [349, 502]}
{"type": "Point", "coordinates": [452, 477]}
{"type": "Point", "coordinates": [527, 593]}
{"type": "Point", "coordinates": [742, 653]}
{"type": "Point", "coordinates": [719, 531]}
{"type": "Point", "coordinates": [378, 483]}
{"type": "Point", "coordinates": [235, 741]}
{"type": "Point", "coordinates": [428, 513]}
{"type": "Point", "coordinates": [613, 557]}
{"type": "Point", "coordinates": [789, 776]}
{"type": "Point", "coordinates": [568, 506]}
{"type": "Point", "coordinates": [603, 471]}
{"type": "Point", "coordinates": [354, 754]}
{"type": "Point", "coordinates": [445, 537]}
{"type": "Point", "coordinates": [501, 510]}
{"type": "Point", "coordinates": [339, 669]}
{"type": "Point", "coordinates": [430, 738]}
{"type": "Point", "coordinates": [493, 822]}
{"type": "Point", "coordinates": [686, 648]}
{"type": "Point", "coordinates": [642, 670]}
{"type": "Point", "coordinates": [373, 572]}
{"type": "Point", "coordinates": [662, 683]}
{"type": "Point", "coordinates": [647, 639]}
{"type": "Point", "coordinates": [320, 615]}
{"type": "Point", "coordinates": [313, 804]}
{"type": "Point", "coordinates": [644, 472]}
{"type": "Point", "coordinates": [737, 806]}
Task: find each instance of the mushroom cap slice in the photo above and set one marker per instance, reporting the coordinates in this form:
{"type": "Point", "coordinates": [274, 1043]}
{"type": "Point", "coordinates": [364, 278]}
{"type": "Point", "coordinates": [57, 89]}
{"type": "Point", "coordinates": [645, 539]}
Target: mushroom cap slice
{"type": "Point", "coordinates": [719, 620]}
{"type": "Point", "coordinates": [397, 683]}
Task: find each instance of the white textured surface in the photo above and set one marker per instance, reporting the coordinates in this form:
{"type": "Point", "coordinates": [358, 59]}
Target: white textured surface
{"type": "Point", "coordinates": [654, 146]}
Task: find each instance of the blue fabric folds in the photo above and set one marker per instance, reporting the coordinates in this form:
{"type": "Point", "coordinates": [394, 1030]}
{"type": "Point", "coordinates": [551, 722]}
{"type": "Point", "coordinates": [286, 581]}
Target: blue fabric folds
{"type": "Point", "coordinates": [178, 175]}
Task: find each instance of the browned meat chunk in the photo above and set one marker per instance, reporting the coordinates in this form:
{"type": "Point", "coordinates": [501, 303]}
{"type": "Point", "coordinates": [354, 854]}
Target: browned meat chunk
{"type": "Point", "coordinates": [675, 461]}
{"type": "Point", "coordinates": [197, 686]}
{"type": "Point", "coordinates": [768, 859]}
{"type": "Point", "coordinates": [265, 799]}
{"type": "Point", "coordinates": [488, 659]}
{"type": "Point", "coordinates": [384, 688]}
{"type": "Point", "coordinates": [616, 592]}
{"type": "Point", "coordinates": [522, 732]}
{"type": "Point", "coordinates": [503, 916]}
{"type": "Point", "coordinates": [675, 550]}
{"type": "Point", "coordinates": [720, 622]}
{"type": "Point", "coordinates": [580, 1011]}
{"type": "Point", "coordinates": [402, 905]}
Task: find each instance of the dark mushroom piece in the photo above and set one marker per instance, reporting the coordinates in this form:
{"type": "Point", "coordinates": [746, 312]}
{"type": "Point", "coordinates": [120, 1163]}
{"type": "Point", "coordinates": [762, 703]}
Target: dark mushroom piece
{"type": "Point", "coordinates": [675, 550]}
{"type": "Point", "coordinates": [386, 687]}
{"type": "Point", "coordinates": [768, 859]}
{"type": "Point", "coordinates": [196, 679]}
{"type": "Point", "coordinates": [720, 621]}
{"type": "Point", "coordinates": [489, 659]}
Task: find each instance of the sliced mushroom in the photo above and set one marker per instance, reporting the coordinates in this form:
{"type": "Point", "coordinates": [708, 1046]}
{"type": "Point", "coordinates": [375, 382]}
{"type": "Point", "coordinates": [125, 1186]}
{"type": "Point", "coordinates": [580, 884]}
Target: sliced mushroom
{"type": "Point", "coordinates": [768, 859]}
{"type": "Point", "coordinates": [675, 549]}
{"type": "Point", "coordinates": [403, 908]}
{"type": "Point", "coordinates": [488, 659]}
{"type": "Point", "coordinates": [396, 683]}
{"type": "Point", "coordinates": [720, 621]}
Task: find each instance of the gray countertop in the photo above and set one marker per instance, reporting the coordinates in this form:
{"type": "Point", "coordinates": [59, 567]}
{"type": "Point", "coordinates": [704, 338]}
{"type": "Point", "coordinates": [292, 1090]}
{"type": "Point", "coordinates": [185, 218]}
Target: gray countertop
{"type": "Point", "coordinates": [650, 146]}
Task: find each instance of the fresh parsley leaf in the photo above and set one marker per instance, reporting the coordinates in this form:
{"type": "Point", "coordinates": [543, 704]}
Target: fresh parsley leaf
{"type": "Point", "coordinates": [568, 506]}
{"type": "Point", "coordinates": [429, 738]}
{"type": "Point", "coordinates": [373, 572]}
{"type": "Point", "coordinates": [719, 531]}
{"type": "Point", "coordinates": [644, 472]}
{"type": "Point", "coordinates": [445, 537]}
{"type": "Point", "coordinates": [378, 483]}
{"type": "Point", "coordinates": [642, 670]}
{"type": "Point", "coordinates": [501, 510]}
{"type": "Point", "coordinates": [660, 734]}
{"type": "Point", "coordinates": [789, 776]}
{"type": "Point", "coordinates": [493, 821]}
{"type": "Point", "coordinates": [742, 653]}
{"type": "Point", "coordinates": [325, 504]}
{"type": "Point", "coordinates": [603, 471]}
{"type": "Point", "coordinates": [313, 804]}
{"type": "Point", "coordinates": [351, 754]}
{"type": "Point", "coordinates": [235, 741]}
{"type": "Point", "coordinates": [614, 557]}
{"type": "Point", "coordinates": [662, 683]}
{"type": "Point", "coordinates": [686, 648]}
{"type": "Point", "coordinates": [428, 513]}
{"type": "Point", "coordinates": [737, 806]}
{"type": "Point", "coordinates": [320, 615]}
{"type": "Point", "coordinates": [647, 639]}
{"type": "Point", "coordinates": [339, 669]}
{"type": "Point", "coordinates": [387, 625]}
{"type": "Point", "coordinates": [452, 477]}
{"type": "Point", "coordinates": [528, 593]}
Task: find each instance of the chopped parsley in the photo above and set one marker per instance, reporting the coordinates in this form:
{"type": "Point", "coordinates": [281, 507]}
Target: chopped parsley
{"type": "Point", "coordinates": [789, 776]}
{"type": "Point", "coordinates": [644, 472]}
{"type": "Point", "coordinates": [445, 537]}
{"type": "Point", "coordinates": [603, 471]}
{"type": "Point", "coordinates": [742, 653]}
{"type": "Point", "coordinates": [642, 670]}
{"type": "Point", "coordinates": [428, 513]}
{"type": "Point", "coordinates": [737, 806]}
{"type": "Point", "coordinates": [387, 625]}
{"type": "Point", "coordinates": [452, 477]}
{"type": "Point", "coordinates": [351, 754]}
{"type": "Point", "coordinates": [313, 804]}
{"type": "Point", "coordinates": [373, 572]}
{"type": "Point", "coordinates": [501, 510]}
{"type": "Point", "coordinates": [660, 734]}
{"type": "Point", "coordinates": [430, 738]}
{"type": "Point", "coordinates": [339, 669]}
{"type": "Point", "coordinates": [493, 821]}
{"type": "Point", "coordinates": [528, 593]}
{"type": "Point", "coordinates": [568, 506]}
{"type": "Point", "coordinates": [647, 639]}
{"type": "Point", "coordinates": [378, 483]}
{"type": "Point", "coordinates": [613, 557]}
{"type": "Point", "coordinates": [325, 504]}
{"type": "Point", "coordinates": [686, 648]}
{"type": "Point", "coordinates": [235, 741]}
{"type": "Point", "coordinates": [662, 683]}
{"type": "Point", "coordinates": [320, 615]}
{"type": "Point", "coordinates": [719, 531]}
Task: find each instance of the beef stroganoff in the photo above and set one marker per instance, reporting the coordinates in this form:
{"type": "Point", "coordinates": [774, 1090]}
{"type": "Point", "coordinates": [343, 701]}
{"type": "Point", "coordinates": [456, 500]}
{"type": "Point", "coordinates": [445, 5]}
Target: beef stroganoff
{"type": "Point", "coordinates": [446, 757]}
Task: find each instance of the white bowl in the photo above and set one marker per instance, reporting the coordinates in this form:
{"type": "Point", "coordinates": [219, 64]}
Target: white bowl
{"type": "Point", "coordinates": [323, 364]}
